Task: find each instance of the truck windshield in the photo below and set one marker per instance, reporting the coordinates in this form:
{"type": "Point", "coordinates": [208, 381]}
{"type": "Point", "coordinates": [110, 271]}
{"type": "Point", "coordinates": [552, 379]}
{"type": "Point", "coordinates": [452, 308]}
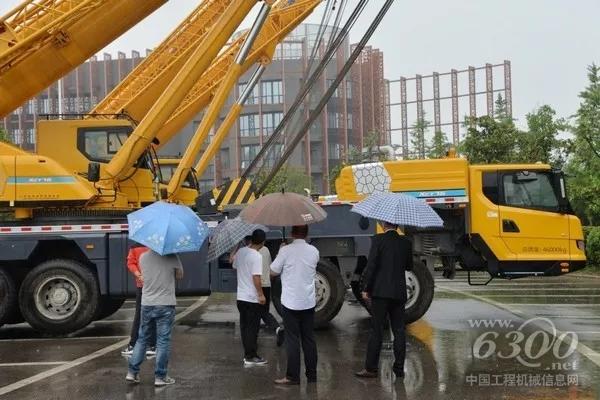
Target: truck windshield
{"type": "Point", "coordinates": [527, 189]}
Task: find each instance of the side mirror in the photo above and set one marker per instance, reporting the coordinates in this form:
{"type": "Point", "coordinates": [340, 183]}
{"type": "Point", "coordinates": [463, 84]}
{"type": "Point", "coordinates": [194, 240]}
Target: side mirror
{"type": "Point", "coordinates": [560, 188]}
{"type": "Point", "coordinates": [93, 173]}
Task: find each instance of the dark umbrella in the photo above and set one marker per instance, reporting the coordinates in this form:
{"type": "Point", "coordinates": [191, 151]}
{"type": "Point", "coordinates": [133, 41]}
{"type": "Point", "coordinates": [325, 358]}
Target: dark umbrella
{"type": "Point", "coordinates": [283, 209]}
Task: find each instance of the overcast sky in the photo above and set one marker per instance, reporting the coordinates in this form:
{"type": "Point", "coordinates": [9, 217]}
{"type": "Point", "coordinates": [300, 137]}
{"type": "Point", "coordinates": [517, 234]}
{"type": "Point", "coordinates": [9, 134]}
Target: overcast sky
{"type": "Point", "coordinates": [550, 42]}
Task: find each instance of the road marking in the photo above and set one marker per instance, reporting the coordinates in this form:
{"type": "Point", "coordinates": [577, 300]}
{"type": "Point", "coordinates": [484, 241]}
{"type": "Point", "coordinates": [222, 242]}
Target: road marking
{"type": "Point", "coordinates": [112, 321]}
{"type": "Point", "coordinates": [550, 304]}
{"type": "Point", "coordinates": [544, 295]}
{"type": "Point", "coordinates": [527, 289]}
{"type": "Point", "coordinates": [82, 360]}
{"type": "Point", "coordinates": [33, 364]}
{"type": "Point", "coordinates": [592, 355]}
{"type": "Point", "coordinates": [63, 338]}
{"type": "Point", "coordinates": [589, 276]}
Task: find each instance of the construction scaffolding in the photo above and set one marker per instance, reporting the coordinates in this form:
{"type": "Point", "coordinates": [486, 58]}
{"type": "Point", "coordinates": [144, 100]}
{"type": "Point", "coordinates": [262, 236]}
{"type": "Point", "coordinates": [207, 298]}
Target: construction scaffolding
{"type": "Point", "coordinates": [400, 118]}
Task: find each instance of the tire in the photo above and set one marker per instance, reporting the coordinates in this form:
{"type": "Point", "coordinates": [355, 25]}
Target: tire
{"type": "Point", "coordinates": [9, 299]}
{"type": "Point", "coordinates": [330, 290]}
{"type": "Point", "coordinates": [108, 306]}
{"type": "Point", "coordinates": [329, 284]}
{"type": "Point", "coordinates": [422, 282]}
{"type": "Point", "coordinates": [418, 280]}
{"type": "Point", "coordinates": [59, 297]}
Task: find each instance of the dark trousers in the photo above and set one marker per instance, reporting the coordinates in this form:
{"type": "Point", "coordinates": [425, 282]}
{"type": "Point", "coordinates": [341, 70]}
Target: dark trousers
{"type": "Point", "coordinates": [299, 328]}
{"type": "Point", "coordinates": [381, 309]}
{"type": "Point", "coordinates": [249, 324]}
{"type": "Point", "coordinates": [265, 314]}
{"type": "Point", "coordinates": [135, 328]}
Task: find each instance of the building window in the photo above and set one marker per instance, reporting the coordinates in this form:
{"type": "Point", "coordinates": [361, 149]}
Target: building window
{"type": "Point", "coordinates": [272, 92]}
{"type": "Point", "coordinates": [333, 120]}
{"type": "Point", "coordinates": [349, 120]}
{"type": "Point", "coordinates": [337, 91]}
{"type": "Point", "coordinates": [249, 153]}
{"type": "Point", "coordinates": [254, 96]}
{"type": "Point", "coordinates": [270, 122]}
{"type": "Point", "coordinates": [348, 89]}
{"type": "Point", "coordinates": [334, 151]}
{"type": "Point", "coordinates": [289, 51]}
{"type": "Point", "coordinates": [31, 136]}
{"type": "Point", "coordinates": [225, 161]}
{"type": "Point", "coordinates": [273, 155]}
{"type": "Point", "coordinates": [249, 125]}
{"type": "Point", "coordinates": [17, 137]}
{"type": "Point", "coordinates": [206, 185]}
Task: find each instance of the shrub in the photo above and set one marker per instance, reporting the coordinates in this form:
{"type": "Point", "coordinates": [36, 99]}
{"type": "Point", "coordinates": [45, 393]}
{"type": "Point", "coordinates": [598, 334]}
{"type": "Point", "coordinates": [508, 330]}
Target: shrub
{"type": "Point", "coordinates": [592, 245]}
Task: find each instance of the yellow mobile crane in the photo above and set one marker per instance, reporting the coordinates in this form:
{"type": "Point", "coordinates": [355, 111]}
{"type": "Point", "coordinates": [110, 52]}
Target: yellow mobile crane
{"type": "Point", "coordinates": [509, 220]}
{"type": "Point", "coordinates": [67, 32]}
{"type": "Point", "coordinates": [135, 95]}
{"type": "Point", "coordinates": [71, 224]}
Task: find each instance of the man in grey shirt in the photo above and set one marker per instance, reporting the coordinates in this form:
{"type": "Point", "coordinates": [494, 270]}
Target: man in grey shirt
{"type": "Point", "coordinates": [158, 306]}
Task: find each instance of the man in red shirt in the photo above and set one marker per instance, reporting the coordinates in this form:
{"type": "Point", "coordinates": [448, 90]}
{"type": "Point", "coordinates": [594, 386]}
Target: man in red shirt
{"type": "Point", "coordinates": [133, 260]}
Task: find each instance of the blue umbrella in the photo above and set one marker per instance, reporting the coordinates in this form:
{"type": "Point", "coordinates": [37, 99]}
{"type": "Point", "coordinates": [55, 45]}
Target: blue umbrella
{"type": "Point", "coordinates": [167, 228]}
{"type": "Point", "coordinates": [398, 209]}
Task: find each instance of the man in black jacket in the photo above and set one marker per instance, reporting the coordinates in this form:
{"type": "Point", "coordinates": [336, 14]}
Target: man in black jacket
{"type": "Point", "coordinates": [384, 288]}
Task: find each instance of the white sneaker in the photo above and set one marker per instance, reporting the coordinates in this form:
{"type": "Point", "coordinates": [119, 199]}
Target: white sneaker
{"type": "Point", "coordinates": [127, 351]}
{"type": "Point", "coordinates": [151, 352]}
{"type": "Point", "coordinates": [133, 378]}
{"type": "Point", "coordinates": [255, 361]}
{"type": "Point", "coordinates": [163, 381]}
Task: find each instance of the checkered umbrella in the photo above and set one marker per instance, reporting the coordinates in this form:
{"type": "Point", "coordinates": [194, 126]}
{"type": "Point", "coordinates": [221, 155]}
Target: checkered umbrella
{"type": "Point", "coordinates": [228, 234]}
{"type": "Point", "coordinates": [399, 209]}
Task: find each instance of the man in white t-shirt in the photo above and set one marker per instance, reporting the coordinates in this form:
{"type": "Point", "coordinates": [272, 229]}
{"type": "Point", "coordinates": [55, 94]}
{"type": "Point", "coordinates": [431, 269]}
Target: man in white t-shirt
{"type": "Point", "coordinates": [250, 297]}
{"type": "Point", "coordinates": [297, 265]}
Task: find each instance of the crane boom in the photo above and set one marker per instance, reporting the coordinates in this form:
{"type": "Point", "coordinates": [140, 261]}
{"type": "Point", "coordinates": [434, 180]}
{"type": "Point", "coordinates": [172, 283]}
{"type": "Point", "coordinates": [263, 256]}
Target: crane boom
{"type": "Point", "coordinates": [135, 94]}
{"type": "Point", "coordinates": [281, 21]}
{"type": "Point", "coordinates": [140, 139]}
{"type": "Point", "coordinates": [42, 40]}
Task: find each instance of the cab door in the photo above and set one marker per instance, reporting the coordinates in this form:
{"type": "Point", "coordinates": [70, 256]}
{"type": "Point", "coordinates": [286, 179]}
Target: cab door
{"type": "Point", "coordinates": [531, 224]}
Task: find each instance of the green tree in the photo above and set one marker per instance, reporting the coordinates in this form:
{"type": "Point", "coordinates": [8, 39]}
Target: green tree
{"type": "Point", "coordinates": [490, 140]}
{"type": "Point", "coordinates": [439, 145]}
{"type": "Point", "coordinates": [501, 109]}
{"type": "Point", "coordinates": [584, 163]}
{"type": "Point", "coordinates": [541, 141]}
{"type": "Point", "coordinates": [291, 179]}
{"type": "Point", "coordinates": [3, 135]}
{"type": "Point", "coordinates": [418, 139]}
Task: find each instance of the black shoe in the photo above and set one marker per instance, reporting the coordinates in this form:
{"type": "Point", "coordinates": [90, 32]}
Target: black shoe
{"type": "Point", "coordinates": [280, 332]}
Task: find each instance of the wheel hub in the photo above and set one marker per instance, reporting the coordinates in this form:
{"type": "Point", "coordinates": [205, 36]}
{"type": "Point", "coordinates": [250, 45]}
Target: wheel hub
{"type": "Point", "coordinates": [413, 289]}
{"type": "Point", "coordinates": [323, 291]}
{"type": "Point", "coordinates": [57, 297]}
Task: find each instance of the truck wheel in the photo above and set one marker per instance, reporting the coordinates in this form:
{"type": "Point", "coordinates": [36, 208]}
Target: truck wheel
{"type": "Point", "coordinates": [108, 306]}
{"type": "Point", "coordinates": [419, 292]}
{"type": "Point", "coordinates": [59, 296]}
{"type": "Point", "coordinates": [330, 291]}
{"type": "Point", "coordinates": [9, 303]}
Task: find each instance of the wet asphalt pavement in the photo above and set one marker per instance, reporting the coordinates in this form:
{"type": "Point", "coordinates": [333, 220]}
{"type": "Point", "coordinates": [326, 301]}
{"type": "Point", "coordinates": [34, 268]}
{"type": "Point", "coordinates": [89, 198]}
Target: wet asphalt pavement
{"type": "Point", "coordinates": [474, 343]}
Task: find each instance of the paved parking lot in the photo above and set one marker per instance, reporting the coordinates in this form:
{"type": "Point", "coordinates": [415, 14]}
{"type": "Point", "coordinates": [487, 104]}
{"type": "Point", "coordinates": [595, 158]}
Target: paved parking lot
{"type": "Point", "coordinates": [447, 351]}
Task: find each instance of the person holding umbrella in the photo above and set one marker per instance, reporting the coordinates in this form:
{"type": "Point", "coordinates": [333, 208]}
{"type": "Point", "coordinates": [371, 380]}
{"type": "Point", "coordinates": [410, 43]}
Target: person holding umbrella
{"type": "Point", "coordinates": [250, 297]}
{"type": "Point", "coordinates": [384, 286]}
{"type": "Point", "coordinates": [166, 229]}
{"type": "Point", "coordinates": [297, 265]}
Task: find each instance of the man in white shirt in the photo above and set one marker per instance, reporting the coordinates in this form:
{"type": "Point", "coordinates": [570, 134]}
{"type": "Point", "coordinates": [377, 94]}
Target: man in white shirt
{"type": "Point", "coordinates": [250, 297]}
{"type": "Point", "coordinates": [297, 265]}
{"type": "Point", "coordinates": [266, 316]}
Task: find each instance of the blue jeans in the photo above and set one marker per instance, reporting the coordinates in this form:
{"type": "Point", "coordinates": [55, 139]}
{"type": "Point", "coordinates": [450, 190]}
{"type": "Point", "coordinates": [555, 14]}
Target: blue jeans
{"type": "Point", "coordinates": [163, 316]}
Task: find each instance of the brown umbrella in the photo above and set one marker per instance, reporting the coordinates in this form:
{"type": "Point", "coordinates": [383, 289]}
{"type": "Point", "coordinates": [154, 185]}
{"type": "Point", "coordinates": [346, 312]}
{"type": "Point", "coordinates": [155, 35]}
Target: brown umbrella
{"type": "Point", "coordinates": [283, 209]}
